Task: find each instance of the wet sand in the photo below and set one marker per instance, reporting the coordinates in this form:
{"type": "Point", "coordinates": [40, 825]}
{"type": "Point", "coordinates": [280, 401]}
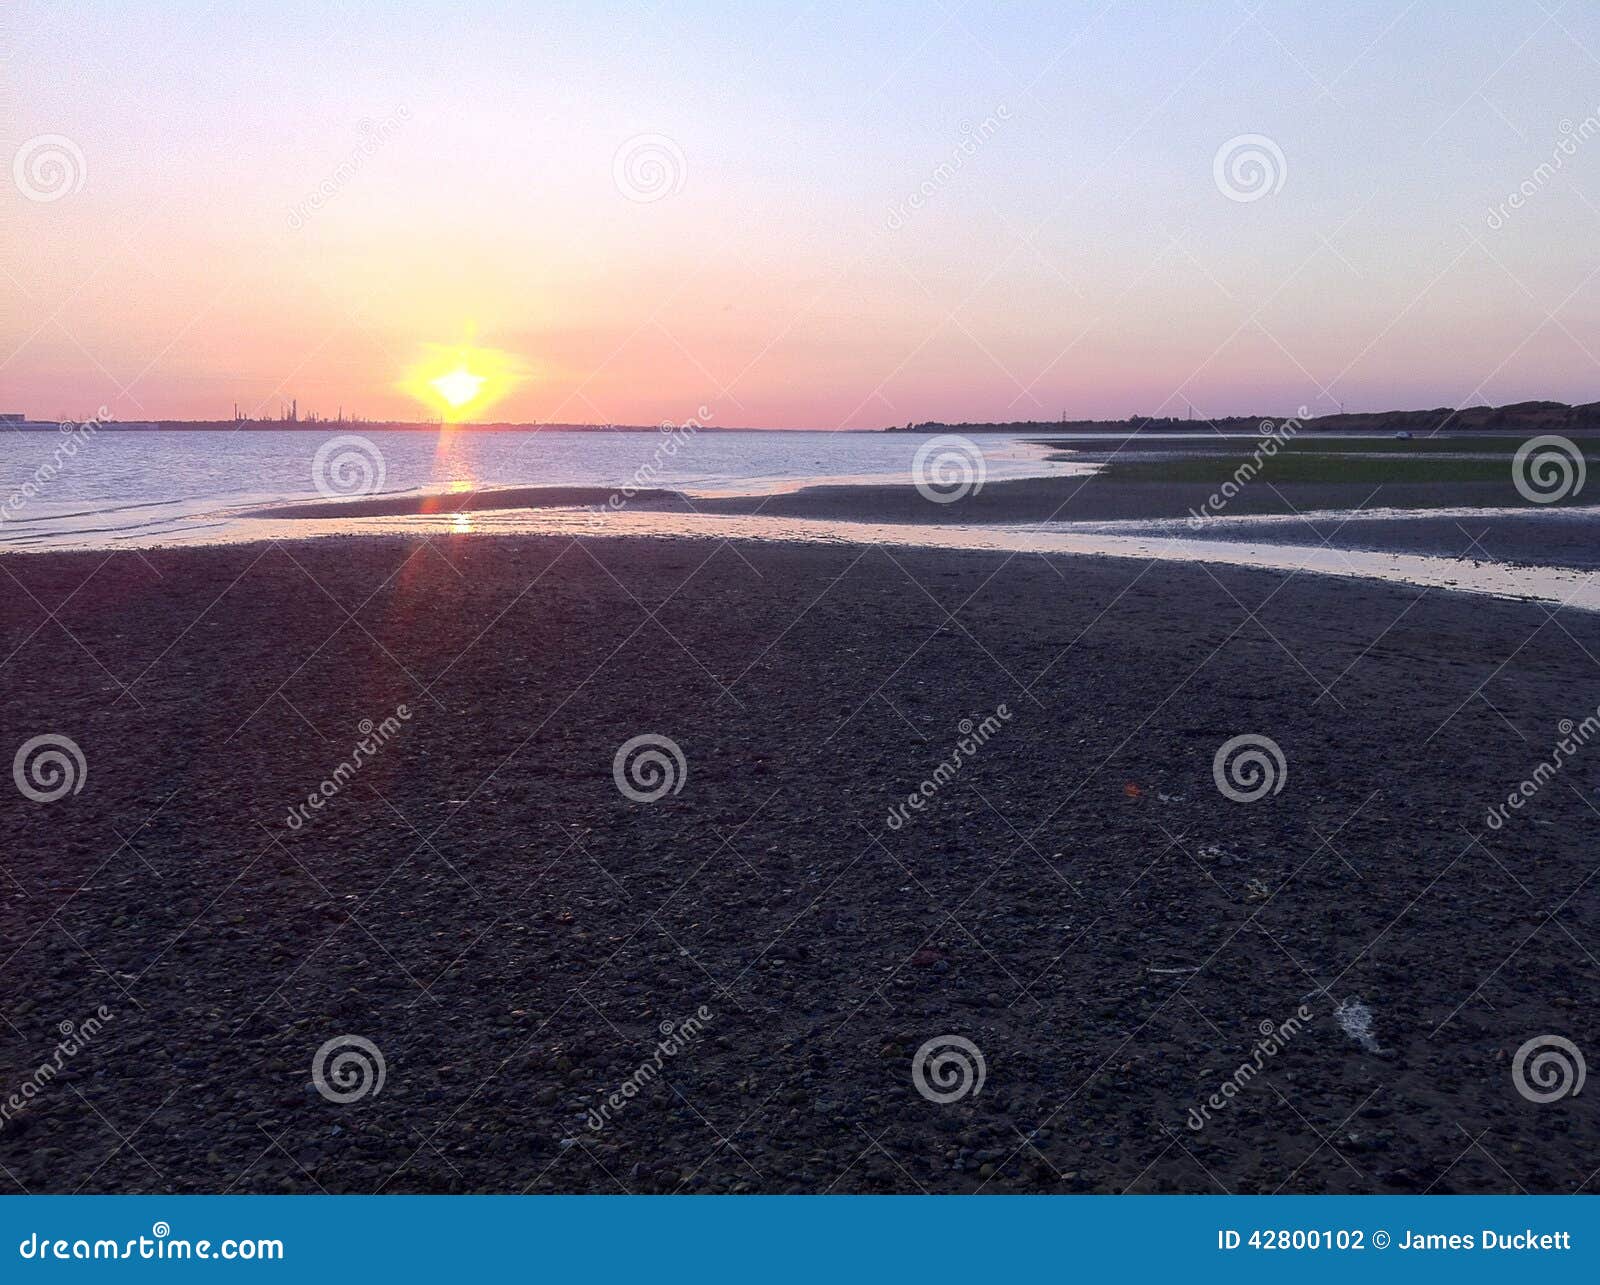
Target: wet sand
{"type": "Point", "coordinates": [471, 501]}
{"type": "Point", "coordinates": [1482, 521]}
{"type": "Point", "coordinates": [483, 904]}
{"type": "Point", "coordinates": [1079, 498]}
{"type": "Point", "coordinates": [1093, 499]}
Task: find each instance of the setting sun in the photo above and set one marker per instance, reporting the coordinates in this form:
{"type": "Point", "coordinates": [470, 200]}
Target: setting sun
{"type": "Point", "coordinates": [459, 387]}
{"type": "Point", "coordinates": [458, 382]}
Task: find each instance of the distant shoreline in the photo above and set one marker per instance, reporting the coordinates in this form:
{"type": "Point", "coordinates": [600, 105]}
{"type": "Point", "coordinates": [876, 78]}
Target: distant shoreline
{"type": "Point", "coordinates": [1517, 417]}
{"type": "Point", "coordinates": [381, 426]}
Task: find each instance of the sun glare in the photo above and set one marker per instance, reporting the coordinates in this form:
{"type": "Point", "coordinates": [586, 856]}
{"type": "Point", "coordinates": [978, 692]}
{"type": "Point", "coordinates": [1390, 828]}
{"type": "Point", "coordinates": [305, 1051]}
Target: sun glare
{"type": "Point", "coordinates": [459, 383]}
{"type": "Point", "coordinates": [459, 387]}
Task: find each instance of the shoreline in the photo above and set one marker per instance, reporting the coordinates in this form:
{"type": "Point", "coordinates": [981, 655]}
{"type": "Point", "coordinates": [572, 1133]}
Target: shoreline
{"type": "Point", "coordinates": [1059, 497]}
{"type": "Point", "coordinates": [1482, 537]}
{"type": "Point", "coordinates": [1523, 553]}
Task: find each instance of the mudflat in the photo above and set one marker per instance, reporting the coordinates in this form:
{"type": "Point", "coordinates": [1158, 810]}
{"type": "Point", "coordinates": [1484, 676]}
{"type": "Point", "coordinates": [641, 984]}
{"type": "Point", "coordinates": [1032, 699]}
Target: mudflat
{"type": "Point", "coordinates": [513, 933]}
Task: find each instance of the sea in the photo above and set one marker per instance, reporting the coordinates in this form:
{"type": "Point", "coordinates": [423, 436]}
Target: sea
{"type": "Point", "coordinates": [81, 487]}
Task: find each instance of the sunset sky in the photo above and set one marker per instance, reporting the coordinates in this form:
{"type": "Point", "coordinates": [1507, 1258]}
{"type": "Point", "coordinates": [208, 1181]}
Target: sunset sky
{"type": "Point", "coordinates": [300, 201]}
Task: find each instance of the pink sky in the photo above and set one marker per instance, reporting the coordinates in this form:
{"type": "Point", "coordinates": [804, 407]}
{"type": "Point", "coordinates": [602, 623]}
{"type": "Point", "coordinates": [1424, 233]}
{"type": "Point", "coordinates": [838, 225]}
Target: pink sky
{"type": "Point", "coordinates": [855, 222]}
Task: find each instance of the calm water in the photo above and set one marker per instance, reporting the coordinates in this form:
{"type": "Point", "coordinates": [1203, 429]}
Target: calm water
{"type": "Point", "coordinates": [153, 487]}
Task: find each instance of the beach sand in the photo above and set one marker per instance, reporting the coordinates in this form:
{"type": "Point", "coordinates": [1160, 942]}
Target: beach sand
{"type": "Point", "coordinates": [482, 902]}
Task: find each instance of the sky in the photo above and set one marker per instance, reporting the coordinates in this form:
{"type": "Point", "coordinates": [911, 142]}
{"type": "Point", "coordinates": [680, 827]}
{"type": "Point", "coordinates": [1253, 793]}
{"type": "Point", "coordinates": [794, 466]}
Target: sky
{"type": "Point", "coordinates": [802, 216]}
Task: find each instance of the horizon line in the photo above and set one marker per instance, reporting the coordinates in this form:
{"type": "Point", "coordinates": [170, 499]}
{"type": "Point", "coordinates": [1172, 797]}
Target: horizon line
{"type": "Point", "coordinates": [18, 420]}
